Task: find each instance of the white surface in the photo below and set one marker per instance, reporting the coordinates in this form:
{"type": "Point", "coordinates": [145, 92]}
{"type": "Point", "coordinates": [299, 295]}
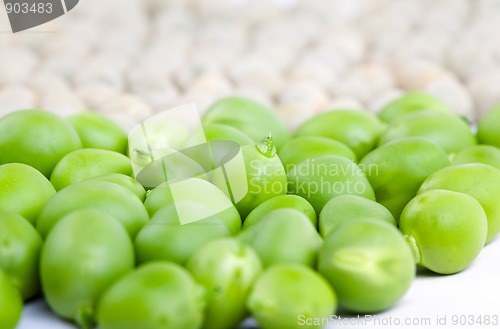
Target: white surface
{"type": "Point", "coordinates": [474, 292]}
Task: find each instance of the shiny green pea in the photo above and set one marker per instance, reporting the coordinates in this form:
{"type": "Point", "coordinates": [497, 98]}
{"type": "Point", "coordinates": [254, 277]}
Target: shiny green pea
{"type": "Point", "coordinates": [168, 238]}
{"type": "Point", "coordinates": [124, 181]}
{"type": "Point", "coordinates": [447, 130]}
{"type": "Point", "coordinates": [320, 179]}
{"type": "Point", "coordinates": [447, 229]}
{"type": "Point", "coordinates": [303, 148]}
{"type": "Point", "coordinates": [114, 200]}
{"type": "Point", "coordinates": [284, 236]}
{"type": "Point", "coordinates": [20, 253]}
{"type": "Point", "coordinates": [346, 208]}
{"type": "Point", "coordinates": [198, 191]}
{"type": "Point", "coordinates": [477, 180]}
{"type": "Point", "coordinates": [36, 138]}
{"type": "Point", "coordinates": [369, 265]}
{"type": "Point", "coordinates": [487, 128]}
{"type": "Point", "coordinates": [291, 296]}
{"type": "Point", "coordinates": [11, 303]}
{"type": "Point", "coordinates": [157, 295]}
{"type": "Point", "coordinates": [83, 164]}
{"type": "Point", "coordinates": [216, 131]}
{"type": "Point", "coordinates": [249, 117]}
{"type": "Point", "coordinates": [97, 131]}
{"type": "Point", "coordinates": [23, 190]}
{"type": "Point", "coordinates": [227, 268]}
{"type": "Point", "coordinates": [397, 169]}
{"type": "Point", "coordinates": [359, 130]}
{"type": "Point", "coordinates": [409, 103]}
{"type": "Point", "coordinates": [486, 154]}
{"type": "Point", "coordinates": [282, 201]}
{"type": "Point", "coordinates": [82, 256]}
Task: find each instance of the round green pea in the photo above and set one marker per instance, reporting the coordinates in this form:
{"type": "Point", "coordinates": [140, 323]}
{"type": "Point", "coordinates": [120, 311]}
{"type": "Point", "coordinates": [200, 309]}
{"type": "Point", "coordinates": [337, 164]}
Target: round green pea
{"type": "Point", "coordinates": [369, 265]}
{"type": "Point", "coordinates": [167, 238]}
{"type": "Point", "coordinates": [359, 130]}
{"type": "Point", "coordinates": [447, 130]}
{"type": "Point", "coordinates": [279, 202]}
{"type": "Point", "coordinates": [263, 175]}
{"type": "Point", "coordinates": [346, 208]}
{"type": "Point", "coordinates": [23, 190]}
{"type": "Point", "coordinates": [486, 154]}
{"type": "Point", "coordinates": [289, 296]}
{"type": "Point", "coordinates": [83, 164]}
{"type": "Point", "coordinates": [20, 253]}
{"type": "Point", "coordinates": [284, 236]}
{"type": "Point", "coordinates": [409, 103]}
{"type": "Point", "coordinates": [249, 117]}
{"type": "Point", "coordinates": [447, 229]}
{"type": "Point", "coordinates": [487, 128]}
{"type": "Point", "coordinates": [227, 268]}
{"type": "Point", "coordinates": [97, 131]}
{"type": "Point", "coordinates": [480, 181]}
{"type": "Point", "coordinates": [11, 303]}
{"type": "Point", "coordinates": [304, 148]}
{"type": "Point", "coordinates": [157, 295]}
{"type": "Point", "coordinates": [83, 255]}
{"type": "Point", "coordinates": [118, 202]}
{"type": "Point", "coordinates": [36, 138]}
{"type": "Point", "coordinates": [198, 191]}
{"type": "Point", "coordinates": [320, 179]}
{"type": "Point", "coordinates": [397, 169]}
{"type": "Point", "coordinates": [217, 131]}
{"type": "Point", "coordinates": [124, 181]}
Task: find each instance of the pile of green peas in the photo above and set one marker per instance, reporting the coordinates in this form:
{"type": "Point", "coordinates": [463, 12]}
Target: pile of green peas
{"type": "Point", "coordinates": [337, 216]}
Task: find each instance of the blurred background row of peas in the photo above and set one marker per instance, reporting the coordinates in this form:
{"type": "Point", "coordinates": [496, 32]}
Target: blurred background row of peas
{"type": "Point", "coordinates": [132, 58]}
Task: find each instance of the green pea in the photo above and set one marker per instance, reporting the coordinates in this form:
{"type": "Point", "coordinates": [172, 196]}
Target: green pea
{"type": "Point", "coordinates": [198, 191]}
{"type": "Point", "coordinates": [83, 164]}
{"type": "Point", "coordinates": [157, 295]}
{"type": "Point", "coordinates": [447, 130]}
{"type": "Point", "coordinates": [397, 169]}
{"type": "Point", "coordinates": [249, 117]}
{"type": "Point", "coordinates": [264, 176]}
{"type": "Point", "coordinates": [284, 236]}
{"type": "Point", "coordinates": [486, 154]}
{"type": "Point", "coordinates": [359, 130]}
{"type": "Point", "coordinates": [447, 229]}
{"type": "Point", "coordinates": [227, 268]}
{"type": "Point", "coordinates": [409, 103]}
{"type": "Point", "coordinates": [124, 181]}
{"type": "Point", "coordinates": [167, 238]}
{"type": "Point", "coordinates": [114, 200]}
{"type": "Point", "coordinates": [347, 208]}
{"type": "Point", "coordinates": [487, 128]}
{"type": "Point", "coordinates": [320, 179]}
{"type": "Point", "coordinates": [36, 138]}
{"type": "Point", "coordinates": [304, 148]}
{"type": "Point", "coordinates": [279, 202]}
{"type": "Point", "coordinates": [477, 180]}
{"type": "Point", "coordinates": [216, 131]}
{"type": "Point", "coordinates": [11, 303]}
{"type": "Point", "coordinates": [20, 253]}
{"type": "Point", "coordinates": [97, 131]}
{"type": "Point", "coordinates": [288, 296]}
{"type": "Point", "coordinates": [369, 265]}
{"type": "Point", "coordinates": [83, 255]}
{"type": "Point", "coordinates": [23, 190]}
